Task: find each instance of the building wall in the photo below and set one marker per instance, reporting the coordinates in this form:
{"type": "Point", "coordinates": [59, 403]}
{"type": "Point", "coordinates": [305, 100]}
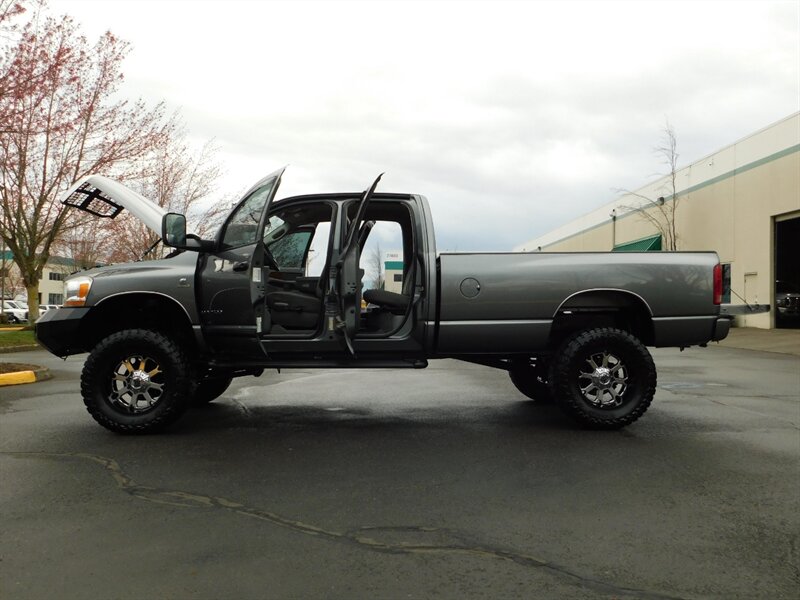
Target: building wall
{"type": "Point", "coordinates": [393, 270]}
{"type": "Point", "coordinates": [727, 202]}
{"type": "Point", "coordinates": [48, 286]}
{"type": "Point", "coordinates": [59, 266]}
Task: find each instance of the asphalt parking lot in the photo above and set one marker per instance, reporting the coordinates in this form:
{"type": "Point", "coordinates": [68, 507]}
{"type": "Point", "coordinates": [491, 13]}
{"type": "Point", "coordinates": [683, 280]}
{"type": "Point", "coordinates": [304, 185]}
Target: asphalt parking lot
{"type": "Point", "coordinates": [441, 483]}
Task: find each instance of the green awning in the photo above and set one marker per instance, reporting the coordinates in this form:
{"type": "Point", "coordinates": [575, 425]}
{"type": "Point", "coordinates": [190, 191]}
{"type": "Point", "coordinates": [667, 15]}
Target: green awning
{"type": "Point", "coordinates": [648, 244]}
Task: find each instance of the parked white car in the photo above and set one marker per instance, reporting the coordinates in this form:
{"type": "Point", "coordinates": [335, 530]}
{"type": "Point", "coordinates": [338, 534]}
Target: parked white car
{"type": "Point", "coordinates": [15, 312]}
{"type": "Point", "coordinates": [43, 308]}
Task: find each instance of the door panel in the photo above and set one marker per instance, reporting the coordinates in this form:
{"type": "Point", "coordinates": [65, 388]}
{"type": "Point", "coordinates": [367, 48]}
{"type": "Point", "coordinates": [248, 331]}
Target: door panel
{"type": "Point", "coordinates": [226, 309]}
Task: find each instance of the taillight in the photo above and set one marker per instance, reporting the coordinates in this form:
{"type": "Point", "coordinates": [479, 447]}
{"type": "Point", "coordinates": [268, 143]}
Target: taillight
{"type": "Point", "coordinates": [718, 284]}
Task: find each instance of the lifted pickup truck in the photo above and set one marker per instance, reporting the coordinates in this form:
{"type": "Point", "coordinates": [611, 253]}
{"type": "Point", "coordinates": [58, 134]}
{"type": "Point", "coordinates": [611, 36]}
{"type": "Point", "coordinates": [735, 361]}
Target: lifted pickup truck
{"type": "Point", "coordinates": [165, 334]}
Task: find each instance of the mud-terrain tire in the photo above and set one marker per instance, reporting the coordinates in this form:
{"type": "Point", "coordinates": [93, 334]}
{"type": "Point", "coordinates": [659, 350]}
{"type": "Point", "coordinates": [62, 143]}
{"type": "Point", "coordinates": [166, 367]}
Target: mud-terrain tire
{"type": "Point", "coordinates": [208, 390]}
{"type": "Point", "coordinates": [603, 378]}
{"type": "Point", "coordinates": [532, 382]}
{"type": "Point", "coordinates": [136, 381]}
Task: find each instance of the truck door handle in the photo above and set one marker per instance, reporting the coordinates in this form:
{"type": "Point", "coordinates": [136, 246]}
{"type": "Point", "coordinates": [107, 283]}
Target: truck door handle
{"type": "Point", "coordinates": [241, 266]}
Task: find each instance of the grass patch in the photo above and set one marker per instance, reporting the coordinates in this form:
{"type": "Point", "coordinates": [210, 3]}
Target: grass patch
{"type": "Point", "coordinates": [9, 339]}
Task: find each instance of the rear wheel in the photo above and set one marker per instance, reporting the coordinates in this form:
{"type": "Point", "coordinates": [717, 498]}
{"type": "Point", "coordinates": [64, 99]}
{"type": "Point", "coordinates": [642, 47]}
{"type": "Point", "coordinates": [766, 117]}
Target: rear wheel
{"type": "Point", "coordinates": [136, 381]}
{"type": "Point", "coordinates": [603, 378]}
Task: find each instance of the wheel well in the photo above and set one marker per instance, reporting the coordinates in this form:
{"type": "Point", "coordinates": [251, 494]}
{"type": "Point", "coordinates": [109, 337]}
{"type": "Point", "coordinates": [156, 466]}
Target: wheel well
{"type": "Point", "coordinates": [603, 308]}
{"type": "Point", "coordinates": [138, 311]}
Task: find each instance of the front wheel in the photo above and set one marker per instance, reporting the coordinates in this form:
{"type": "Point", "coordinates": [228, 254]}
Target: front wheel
{"type": "Point", "coordinates": [136, 381]}
{"type": "Point", "coordinates": [603, 378]}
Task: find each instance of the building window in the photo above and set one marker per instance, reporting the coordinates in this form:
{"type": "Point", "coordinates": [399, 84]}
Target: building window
{"type": "Point", "coordinates": [54, 276]}
{"type": "Point", "coordinates": [56, 299]}
{"type": "Point", "coordinates": [398, 277]}
{"type": "Point", "coordinates": [726, 283]}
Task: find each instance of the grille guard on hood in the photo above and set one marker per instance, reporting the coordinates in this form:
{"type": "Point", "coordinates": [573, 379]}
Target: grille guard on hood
{"type": "Point", "coordinates": [104, 197]}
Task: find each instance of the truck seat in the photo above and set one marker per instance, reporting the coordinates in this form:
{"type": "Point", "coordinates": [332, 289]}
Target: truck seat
{"type": "Point", "coordinates": [395, 303]}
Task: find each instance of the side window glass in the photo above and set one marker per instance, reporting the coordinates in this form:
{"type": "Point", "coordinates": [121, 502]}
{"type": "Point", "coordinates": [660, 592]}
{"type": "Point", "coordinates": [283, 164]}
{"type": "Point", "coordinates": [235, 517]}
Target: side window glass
{"type": "Point", "coordinates": [242, 226]}
{"type": "Point", "coordinates": [290, 250]}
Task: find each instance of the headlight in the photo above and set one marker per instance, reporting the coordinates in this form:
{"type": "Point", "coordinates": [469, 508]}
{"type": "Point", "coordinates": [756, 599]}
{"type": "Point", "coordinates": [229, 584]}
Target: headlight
{"type": "Point", "coordinates": [76, 290]}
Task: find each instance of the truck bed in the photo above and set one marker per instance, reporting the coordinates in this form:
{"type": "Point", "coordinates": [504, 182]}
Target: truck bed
{"type": "Point", "coordinates": [520, 294]}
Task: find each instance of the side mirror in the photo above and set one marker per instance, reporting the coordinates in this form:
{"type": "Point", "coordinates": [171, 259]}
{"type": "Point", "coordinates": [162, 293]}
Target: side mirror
{"type": "Point", "coordinates": [173, 230]}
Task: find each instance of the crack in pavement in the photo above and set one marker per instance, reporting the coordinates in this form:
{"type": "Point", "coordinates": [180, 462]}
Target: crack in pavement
{"type": "Point", "coordinates": [444, 541]}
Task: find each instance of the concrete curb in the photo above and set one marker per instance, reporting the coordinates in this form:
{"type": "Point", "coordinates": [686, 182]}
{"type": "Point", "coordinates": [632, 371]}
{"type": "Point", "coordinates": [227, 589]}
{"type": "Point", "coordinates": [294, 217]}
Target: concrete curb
{"type": "Point", "coordinates": [20, 377]}
{"type": "Point", "coordinates": [26, 348]}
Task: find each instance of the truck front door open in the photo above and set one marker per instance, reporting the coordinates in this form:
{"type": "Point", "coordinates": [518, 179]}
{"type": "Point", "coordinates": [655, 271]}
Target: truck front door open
{"type": "Point", "coordinates": [226, 276]}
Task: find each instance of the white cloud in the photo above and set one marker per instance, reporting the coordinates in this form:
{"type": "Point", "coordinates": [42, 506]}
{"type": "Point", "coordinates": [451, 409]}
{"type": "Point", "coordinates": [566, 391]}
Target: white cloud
{"type": "Point", "coordinates": [511, 117]}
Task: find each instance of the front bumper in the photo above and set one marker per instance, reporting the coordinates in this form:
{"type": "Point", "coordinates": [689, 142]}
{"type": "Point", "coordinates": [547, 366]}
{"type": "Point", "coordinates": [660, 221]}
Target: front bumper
{"type": "Point", "coordinates": [59, 330]}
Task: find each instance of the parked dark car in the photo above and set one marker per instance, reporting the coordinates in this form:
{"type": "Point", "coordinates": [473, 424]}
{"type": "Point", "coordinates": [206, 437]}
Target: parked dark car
{"type": "Point", "coordinates": [787, 303]}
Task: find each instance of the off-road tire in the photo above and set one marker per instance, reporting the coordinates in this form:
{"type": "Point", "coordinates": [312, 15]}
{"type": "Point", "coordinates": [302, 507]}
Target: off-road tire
{"type": "Point", "coordinates": [98, 376]}
{"type": "Point", "coordinates": [532, 382]}
{"type": "Point", "coordinates": [571, 361]}
{"type": "Point", "coordinates": [208, 390]}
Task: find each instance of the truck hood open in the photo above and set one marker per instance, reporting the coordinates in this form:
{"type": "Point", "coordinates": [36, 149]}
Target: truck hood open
{"type": "Point", "coordinates": [104, 197]}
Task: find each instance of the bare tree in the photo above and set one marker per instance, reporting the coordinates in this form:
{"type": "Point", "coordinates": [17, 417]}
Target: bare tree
{"type": "Point", "coordinates": [9, 9]}
{"type": "Point", "coordinates": [661, 212]}
{"type": "Point", "coordinates": [375, 265]}
{"type": "Point", "coordinates": [86, 242]}
{"type": "Point", "coordinates": [180, 179]}
{"type": "Point", "coordinates": [13, 285]}
{"type": "Point", "coordinates": [65, 126]}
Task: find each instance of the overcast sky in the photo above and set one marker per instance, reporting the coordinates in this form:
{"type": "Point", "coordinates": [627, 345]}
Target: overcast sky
{"type": "Point", "coordinates": [512, 118]}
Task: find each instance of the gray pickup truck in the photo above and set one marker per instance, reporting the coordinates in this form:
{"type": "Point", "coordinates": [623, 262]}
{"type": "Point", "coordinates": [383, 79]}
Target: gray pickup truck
{"type": "Point", "coordinates": [164, 335]}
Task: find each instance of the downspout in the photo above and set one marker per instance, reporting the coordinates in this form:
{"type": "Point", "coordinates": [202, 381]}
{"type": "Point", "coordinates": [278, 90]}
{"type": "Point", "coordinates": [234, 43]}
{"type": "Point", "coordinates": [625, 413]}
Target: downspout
{"type": "Point", "coordinates": [613, 216]}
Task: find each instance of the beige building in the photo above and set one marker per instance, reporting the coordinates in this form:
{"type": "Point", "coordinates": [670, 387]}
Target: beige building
{"type": "Point", "coordinates": [51, 285]}
{"type": "Point", "coordinates": [393, 270]}
{"type": "Point", "coordinates": [742, 202]}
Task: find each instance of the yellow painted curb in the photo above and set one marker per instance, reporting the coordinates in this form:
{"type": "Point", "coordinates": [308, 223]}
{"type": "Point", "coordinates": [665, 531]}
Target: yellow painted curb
{"type": "Point", "coordinates": [17, 378]}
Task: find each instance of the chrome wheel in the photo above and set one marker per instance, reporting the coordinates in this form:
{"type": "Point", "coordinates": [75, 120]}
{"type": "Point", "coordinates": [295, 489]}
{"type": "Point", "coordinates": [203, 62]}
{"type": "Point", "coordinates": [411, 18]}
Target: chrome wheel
{"type": "Point", "coordinates": [137, 384]}
{"type": "Point", "coordinates": [603, 379]}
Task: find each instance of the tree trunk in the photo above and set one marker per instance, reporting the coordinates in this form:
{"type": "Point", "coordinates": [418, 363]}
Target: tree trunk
{"type": "Point", "coordinates": [33, 302]}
